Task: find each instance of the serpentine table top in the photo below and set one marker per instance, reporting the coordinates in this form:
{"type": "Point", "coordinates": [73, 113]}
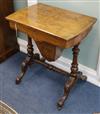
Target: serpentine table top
{"type": "Point", "coordinates": [54, 25]}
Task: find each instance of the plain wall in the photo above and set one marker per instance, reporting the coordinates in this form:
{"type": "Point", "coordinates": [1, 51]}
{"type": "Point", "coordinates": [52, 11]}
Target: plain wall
{"type": "Point", "coordinates": [18, 4]}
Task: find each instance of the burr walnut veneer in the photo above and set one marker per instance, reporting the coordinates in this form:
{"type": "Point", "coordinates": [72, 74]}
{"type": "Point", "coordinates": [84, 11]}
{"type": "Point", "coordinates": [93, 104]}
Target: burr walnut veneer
{"type": "Point", "coordinates": [53, 29]}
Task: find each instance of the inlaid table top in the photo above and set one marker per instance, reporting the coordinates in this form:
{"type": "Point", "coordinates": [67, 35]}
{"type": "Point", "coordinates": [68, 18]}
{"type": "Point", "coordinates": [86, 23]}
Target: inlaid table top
{"type": "Point", "coordinates": [59, 24]}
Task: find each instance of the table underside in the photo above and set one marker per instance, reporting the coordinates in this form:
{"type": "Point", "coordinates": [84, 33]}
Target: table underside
{"type": "Point", "coordinates": [51, 47]}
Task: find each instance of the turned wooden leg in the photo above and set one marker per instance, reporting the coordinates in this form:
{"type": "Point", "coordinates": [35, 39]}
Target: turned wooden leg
{"type": "Point", "coordinates": [72, 80]}
{"type": "Point", "coordinates": [26, 62]}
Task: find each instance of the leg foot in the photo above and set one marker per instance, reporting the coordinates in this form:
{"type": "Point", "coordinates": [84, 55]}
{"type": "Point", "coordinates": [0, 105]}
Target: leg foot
{"type": "Point", "coordinates": [81, 76]}
{"type": "Point", "coordinates": [59, 107]}
{"type": "Point", "coordinates": [72, 80]}
{"type": "Point", "coordinates": [24, 67]}
{"type": "Point", "coordinates": [18, 81]}
{"type": "Point", "coordinates": [68, 85]}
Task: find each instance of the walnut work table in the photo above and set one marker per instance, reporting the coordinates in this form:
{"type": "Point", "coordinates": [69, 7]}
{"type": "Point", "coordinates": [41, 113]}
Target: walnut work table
{"type": "Point", "coordinates": [53, 29]}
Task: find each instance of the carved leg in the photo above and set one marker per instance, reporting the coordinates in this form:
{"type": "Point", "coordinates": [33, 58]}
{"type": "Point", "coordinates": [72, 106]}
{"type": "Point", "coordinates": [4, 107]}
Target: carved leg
{"type": "Point", "coordinates": [26, 62]}
{"type": "Point", "coordinates": [70, 83]}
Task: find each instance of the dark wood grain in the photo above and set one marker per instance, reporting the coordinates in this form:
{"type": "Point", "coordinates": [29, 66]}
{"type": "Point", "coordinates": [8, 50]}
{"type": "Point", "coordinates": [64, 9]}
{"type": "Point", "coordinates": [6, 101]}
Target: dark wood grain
{"type": "Point", "coordinates": [8, 40]}
{"type": "Point", "coordinates": [26, 62]}
{"type": "Point", "coordinates": [72, 80]}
